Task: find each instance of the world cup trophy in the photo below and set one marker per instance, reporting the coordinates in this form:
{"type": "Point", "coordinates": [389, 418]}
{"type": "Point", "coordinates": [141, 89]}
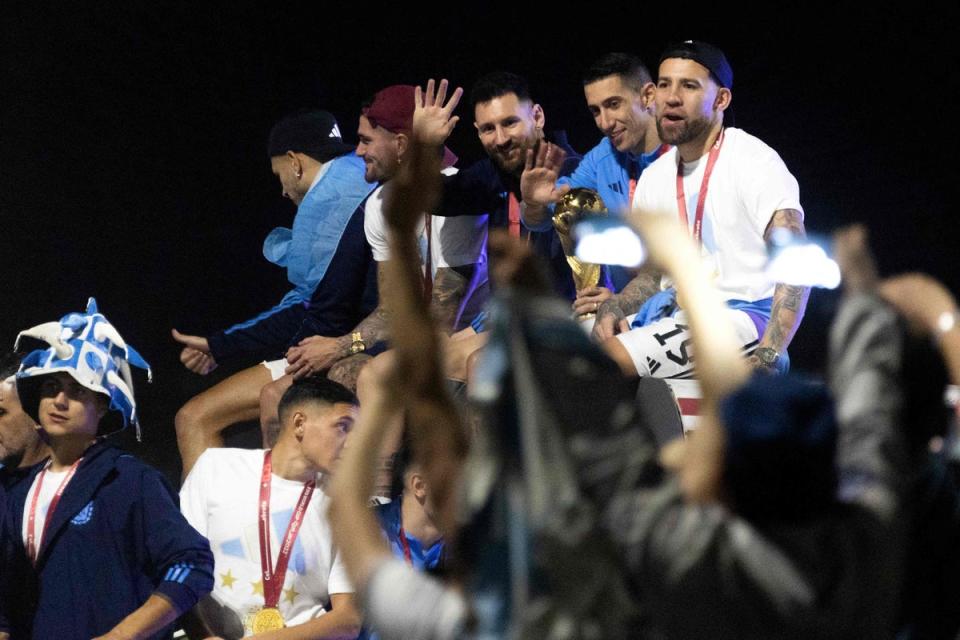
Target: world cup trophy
{"type": "Point", "coordinates": [570, 210]}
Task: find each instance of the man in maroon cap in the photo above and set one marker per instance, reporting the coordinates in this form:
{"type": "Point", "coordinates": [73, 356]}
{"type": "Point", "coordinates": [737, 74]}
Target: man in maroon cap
{"type": "Point", "coordinates": [452, 251]}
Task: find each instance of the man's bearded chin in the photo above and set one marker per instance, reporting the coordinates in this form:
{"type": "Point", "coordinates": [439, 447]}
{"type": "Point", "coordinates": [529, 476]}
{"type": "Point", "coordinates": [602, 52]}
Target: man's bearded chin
{"type": "Point", "coordinates": [690, 130]}
{"type": "Point", "coordinates": [514, 166]}
{"type": "Point", "coordinates": [10, 459]}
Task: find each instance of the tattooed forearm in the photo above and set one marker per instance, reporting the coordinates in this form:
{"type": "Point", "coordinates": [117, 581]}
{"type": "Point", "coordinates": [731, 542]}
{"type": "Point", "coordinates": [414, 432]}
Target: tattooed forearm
{"type": "Point", "coordinates": [644, 285]}
{"type": "Point", "coordinates": [449, 287]}
{"type": "Point", "coordinates": [789, 302]}
{"type": "Point", "coordinates": [374, 328]}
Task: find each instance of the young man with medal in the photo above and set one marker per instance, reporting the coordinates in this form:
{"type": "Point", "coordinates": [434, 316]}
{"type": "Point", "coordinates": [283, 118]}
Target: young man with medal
{"type": "Point", "coordinates": [95, 545]}
{"type": "Point", "coordinates": [732, 192]}
{"type": "Point", "coordinates": [276, 569]}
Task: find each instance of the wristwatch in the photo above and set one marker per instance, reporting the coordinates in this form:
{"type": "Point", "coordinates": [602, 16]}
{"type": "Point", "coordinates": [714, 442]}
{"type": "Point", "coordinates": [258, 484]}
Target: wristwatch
{"type": "Point", "coordinates": [767, 356]}
{"type": "Point", "coordinates": [358, 345]}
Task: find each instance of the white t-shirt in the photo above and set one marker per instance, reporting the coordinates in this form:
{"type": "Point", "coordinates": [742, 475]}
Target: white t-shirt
{"type": "Point", "coordinates": [219, 498]}
{"type": "Point", "coordinates": [51, 482]}
{"type": "Point", "coordinates": [454, 241]}
{"type": "Point", "coordinates": [748, 184]}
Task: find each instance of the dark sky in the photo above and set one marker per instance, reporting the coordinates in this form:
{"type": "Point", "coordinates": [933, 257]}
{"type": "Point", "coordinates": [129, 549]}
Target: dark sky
{"type": "Point", "coordinates": [132, 138]}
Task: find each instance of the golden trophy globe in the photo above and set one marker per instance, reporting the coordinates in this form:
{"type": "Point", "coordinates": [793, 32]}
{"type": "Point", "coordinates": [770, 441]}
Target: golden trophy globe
{"type": "Point", "coordinates": [571, 208]}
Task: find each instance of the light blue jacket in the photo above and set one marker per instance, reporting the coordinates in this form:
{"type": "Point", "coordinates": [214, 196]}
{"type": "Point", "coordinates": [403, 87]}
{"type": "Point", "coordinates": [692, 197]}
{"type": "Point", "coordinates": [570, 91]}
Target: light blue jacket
{"type": "Point", "coordinates": [607, 171]}
{"type": "Point", "coordinates": [307, 248]}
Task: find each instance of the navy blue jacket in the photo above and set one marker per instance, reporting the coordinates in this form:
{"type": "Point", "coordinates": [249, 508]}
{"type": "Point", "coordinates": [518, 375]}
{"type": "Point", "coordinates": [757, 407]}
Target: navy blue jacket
{"type": "Point", "coordinates": [344, 296]}
{"type": "Point", "coordinates": [116, 537]}
{"type": "Point", "coordinates": [484, 188]}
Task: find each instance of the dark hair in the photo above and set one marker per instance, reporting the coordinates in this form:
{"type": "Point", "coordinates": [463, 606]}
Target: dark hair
{"type": "Point", "coordinates": [314, 389]}
{"type": "Point", "coordinates": [9, 364]}
{"type": "Point", "coordinates": [499, 83]}
{"type": "Point", "coordinates": [629, 67]}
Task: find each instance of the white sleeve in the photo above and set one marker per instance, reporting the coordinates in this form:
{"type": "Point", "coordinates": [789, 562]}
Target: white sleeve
{"type": "Point", "coordinates": [375, 227]}
{"type": "Point", "coordinates": [646, 196]}
{"type": "Point", "coordinates": [768, 187]}
{"type": "Point", "coordinates": [402, 603]}
{"type": "Point", "coordinates": [458, 241]}
{"type": "Point", "coordinates": [193, 494]}
{"type": "Point", "coordinates": [338, 581]}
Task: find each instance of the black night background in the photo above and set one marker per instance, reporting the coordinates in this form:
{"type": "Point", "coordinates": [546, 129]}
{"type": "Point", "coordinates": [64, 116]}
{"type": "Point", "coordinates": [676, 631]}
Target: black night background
{"type": "Point", "coordinates": [133, 139]}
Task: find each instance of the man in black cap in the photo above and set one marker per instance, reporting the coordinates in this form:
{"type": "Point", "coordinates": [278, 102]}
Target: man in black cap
{"type": "Point", "coordinates": [751, 195]}
{"type": "Point", "coordinates": [328, 261]}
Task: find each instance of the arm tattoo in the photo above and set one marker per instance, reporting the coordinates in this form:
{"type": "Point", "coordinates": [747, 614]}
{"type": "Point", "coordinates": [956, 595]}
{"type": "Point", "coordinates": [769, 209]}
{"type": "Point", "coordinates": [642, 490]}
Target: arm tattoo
{"type": "Point", "coordinates": [789, 302]}
{"type": "Point", "coordinates": [374, 327]}
{"type": "Point", "coordinates": [644, 285]}
{"type": "Point", "coordinates": [449, 287]}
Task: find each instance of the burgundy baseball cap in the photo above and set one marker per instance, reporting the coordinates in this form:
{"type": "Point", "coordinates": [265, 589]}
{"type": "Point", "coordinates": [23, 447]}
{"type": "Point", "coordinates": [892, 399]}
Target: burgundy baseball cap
{"type": "Point", "coordinates": [392, 108]}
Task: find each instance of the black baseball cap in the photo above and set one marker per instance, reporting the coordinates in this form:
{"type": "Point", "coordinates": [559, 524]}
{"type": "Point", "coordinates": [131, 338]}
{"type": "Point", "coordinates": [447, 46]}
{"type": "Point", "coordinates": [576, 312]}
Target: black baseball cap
{"type": "Point", "coordinates": [706, 54]}
{"type": "Point", "coordinates": [314, 133]}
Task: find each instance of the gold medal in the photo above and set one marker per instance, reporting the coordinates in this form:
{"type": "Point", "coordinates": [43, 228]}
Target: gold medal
{"type": "Point", "coordinates": [266, 619]}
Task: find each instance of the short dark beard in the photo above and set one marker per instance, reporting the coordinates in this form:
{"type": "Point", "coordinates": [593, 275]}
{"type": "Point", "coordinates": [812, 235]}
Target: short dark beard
{"type": "Point", "coordinates": [522, 163]}
{"type": "Point", "coordinates": [12, 460]}
{"type": "Point", "coordinates": [690, 132]}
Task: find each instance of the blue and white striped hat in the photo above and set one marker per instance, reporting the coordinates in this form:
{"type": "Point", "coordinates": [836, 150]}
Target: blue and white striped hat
{"type": "Point", "coordinates": [89, 349]}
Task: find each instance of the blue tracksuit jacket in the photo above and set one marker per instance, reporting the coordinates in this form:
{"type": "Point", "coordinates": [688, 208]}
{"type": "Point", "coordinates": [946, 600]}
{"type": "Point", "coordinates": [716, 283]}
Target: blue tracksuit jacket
{"type": "Point", "coordinates": [116, 537]}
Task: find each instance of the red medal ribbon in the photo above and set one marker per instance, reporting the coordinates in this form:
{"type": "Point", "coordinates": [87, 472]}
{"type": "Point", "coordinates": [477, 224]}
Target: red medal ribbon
{"type": "Point", "coordinates": [33, 542]}
{"type": "Point", "coordinates": [406, 547]}
{"type": "Point", "coordinates": [513, 212]}
{"type": "Point", "coordinates": [702, 199]}
{"type": "Point", "coordinates": [273, 577]}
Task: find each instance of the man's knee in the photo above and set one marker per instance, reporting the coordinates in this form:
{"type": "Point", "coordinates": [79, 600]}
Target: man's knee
{"type": "Point", "coordinates": [348, 370]}
{"type": "Point", "coordinates": [619, 354]}
{"type": "Point", "coordinates": [270, 396]}
{"type": "Point", "coordinates": [189, 418]}
{"type": "Point", "coordinates": [367, 376]}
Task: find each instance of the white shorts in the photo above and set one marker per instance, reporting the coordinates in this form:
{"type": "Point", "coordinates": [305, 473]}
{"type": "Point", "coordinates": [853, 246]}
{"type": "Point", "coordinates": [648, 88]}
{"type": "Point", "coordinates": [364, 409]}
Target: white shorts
{"type": "Point", "coordinates": [662, 349]}
{"type": "Point", "coordinates": [276, 368]}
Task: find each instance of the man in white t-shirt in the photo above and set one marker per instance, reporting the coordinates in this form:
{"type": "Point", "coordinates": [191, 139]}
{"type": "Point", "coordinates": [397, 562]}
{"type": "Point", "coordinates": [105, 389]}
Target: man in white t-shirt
{"type": "Point", "coordinates": [452, 253]}
{"type": "Point", "coordinates": [220, 499]}
{"type": "Point", "coordinates": [733, 191]}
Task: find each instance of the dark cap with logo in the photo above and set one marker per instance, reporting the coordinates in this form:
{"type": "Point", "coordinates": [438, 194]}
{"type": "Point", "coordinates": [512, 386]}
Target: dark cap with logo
{"type": "Point", "coordinates": [705, 54]}
{"type": "Point", "coordinates": [314, 133]}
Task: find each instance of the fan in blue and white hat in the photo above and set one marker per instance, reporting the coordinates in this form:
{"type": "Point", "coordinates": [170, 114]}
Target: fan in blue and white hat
{"type": "Point", "coordinates": [90, 350]}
